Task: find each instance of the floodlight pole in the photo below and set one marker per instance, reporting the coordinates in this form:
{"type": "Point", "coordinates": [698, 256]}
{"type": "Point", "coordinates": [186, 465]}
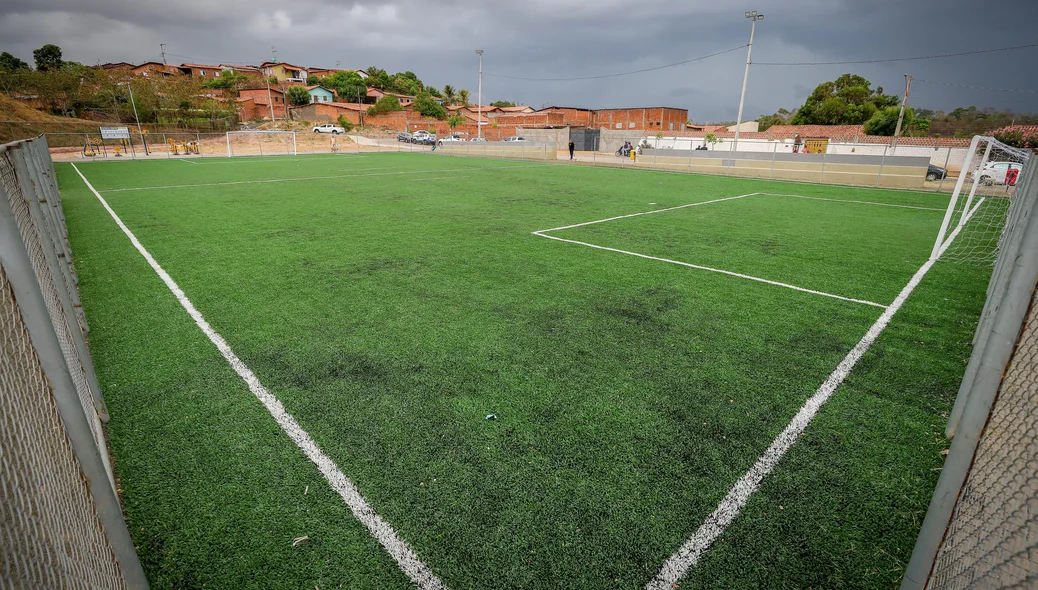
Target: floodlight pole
{"type": "Point", "coordinates": [479, 97]}
{"type": "Point", "coordinates": [749, 54]}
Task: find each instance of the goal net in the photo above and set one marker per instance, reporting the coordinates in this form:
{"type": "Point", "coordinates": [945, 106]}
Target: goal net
{"type": "Point", "coordinates": [261, 143]}
{"type": "Point", "coordinates": [982, 204]}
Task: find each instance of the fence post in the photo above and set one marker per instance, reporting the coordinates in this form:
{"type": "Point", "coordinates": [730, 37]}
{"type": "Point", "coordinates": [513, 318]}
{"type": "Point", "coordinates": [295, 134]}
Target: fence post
{"type": "Point", "coordinates": [230, 154]}
{"type": "Point", "coordinates": [882, 161]}
{"type": "Point", "coordinates": [594, 152]}
{"type": "Point", "coordinates": [655, 152]}
{"type": "Point", "coordinates": [198, 143]}
{"type": "Point", "coordinates": [259, 141]}
{"type": "Point", "coordinates": [821, 175]}
{"type": "Point", "coordinates": [295, 149]}
{"type": "Point", "coordinates": [774, 153]}
{"type": "Point", "coordinates": [947, 159]}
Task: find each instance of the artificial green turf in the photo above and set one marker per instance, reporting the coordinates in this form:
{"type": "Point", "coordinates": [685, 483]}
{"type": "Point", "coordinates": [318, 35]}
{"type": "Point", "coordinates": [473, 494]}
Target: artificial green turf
{"type": "Point", "coordinates": [395, 307]}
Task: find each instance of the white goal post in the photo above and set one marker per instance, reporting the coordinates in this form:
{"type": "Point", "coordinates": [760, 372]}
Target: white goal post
{"type": "Point", "coordinates": [977, 216]}
{"type": "Point", "coordinates": [261, 143]}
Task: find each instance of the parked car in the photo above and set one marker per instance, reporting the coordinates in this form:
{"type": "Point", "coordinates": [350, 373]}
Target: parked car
{"type": "Point", "coordinates": [329, 128]}
{"type": "Point", "coordinates": [935, 172]}
{"type": "Point", "coordinates": [514, 138]}
{"type": "Point", "coordinates": [420, 136]}
{"type": "Point", "coordinates": [451, 139]}
{"type": "Point", "coordinates": [403, 136]}
{"type": "Point", "coordinates": [1000, 173]}
{"type": "Point", "coordinates": [478, 139]}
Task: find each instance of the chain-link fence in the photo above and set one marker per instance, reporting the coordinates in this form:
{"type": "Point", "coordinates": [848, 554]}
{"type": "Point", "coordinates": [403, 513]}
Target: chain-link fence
{"type": "Point", "coordinates": [60, 519]}
{"type": "Point", "coordinates": [981, 529]}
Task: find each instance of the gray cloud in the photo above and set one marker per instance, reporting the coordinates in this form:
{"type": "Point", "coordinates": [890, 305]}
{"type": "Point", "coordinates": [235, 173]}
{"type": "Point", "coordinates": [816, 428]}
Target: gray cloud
{"type": "Point", "coordinates": [569, 38]}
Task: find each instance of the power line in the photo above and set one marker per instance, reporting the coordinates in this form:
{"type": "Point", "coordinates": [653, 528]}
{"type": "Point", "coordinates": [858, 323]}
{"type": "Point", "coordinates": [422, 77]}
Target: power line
{"type": "Point", "coordinates": [680, 63]}
{"type": "Point", "coordinates": [978, 87]}
{"type": "Point", "coordinates": [893, 59]}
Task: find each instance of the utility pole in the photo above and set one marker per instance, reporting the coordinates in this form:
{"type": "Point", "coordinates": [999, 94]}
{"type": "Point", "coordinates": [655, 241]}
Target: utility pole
{"type": "Point", "coordinates": [479, 97]}
{"type": "Point", "coordinates": [162, 49]}
{"type": "Point", "coordinates": [901, 115]}
{"type": "Point", "coordinates": [270, 101]}
{"type": "Point", "coordinates": [749, 54]}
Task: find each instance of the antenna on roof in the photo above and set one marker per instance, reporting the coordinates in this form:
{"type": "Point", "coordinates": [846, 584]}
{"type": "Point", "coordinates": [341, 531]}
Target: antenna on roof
{"type": "Point", "coordinates": [162, 48]}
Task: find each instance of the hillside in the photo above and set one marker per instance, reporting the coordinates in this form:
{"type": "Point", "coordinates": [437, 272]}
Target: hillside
{"type": "Point", "coordinates": [20, 121]}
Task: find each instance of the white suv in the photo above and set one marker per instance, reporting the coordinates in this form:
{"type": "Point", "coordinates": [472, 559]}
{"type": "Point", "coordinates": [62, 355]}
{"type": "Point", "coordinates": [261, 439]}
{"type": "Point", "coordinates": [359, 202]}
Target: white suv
{"type": "Point", "coordinates": [329, 128]}
{"type": "Point", "coordinates": [999, 173]}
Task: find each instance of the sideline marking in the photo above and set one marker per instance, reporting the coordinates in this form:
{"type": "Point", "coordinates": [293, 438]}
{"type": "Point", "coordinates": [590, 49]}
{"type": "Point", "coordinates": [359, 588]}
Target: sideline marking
{"type": "Point", "coordinates": [437, 178]}
{"type": "Point", "coordinates": [850, 201]}
{"type": "Point", "coordinates": [717, 270]}
{"type": "Point", "coordinates": [405, 557]}
{"type": "Point", "coordinates": [172, 186]}
{"type": "Point", "coordinates": [689, 554]}
{"type": "Point", "coordinates": [186, 161]}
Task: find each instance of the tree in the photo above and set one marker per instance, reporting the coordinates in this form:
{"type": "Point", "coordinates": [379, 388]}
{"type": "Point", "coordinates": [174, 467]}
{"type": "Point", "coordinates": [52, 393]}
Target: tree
{"type": "Point", "coordinates": [297, 96]}
{"type": "Point", "coordinates": [848, 100]}
{"type": "Point", "coordinates": [227, 80]}
{"type": "Point", "coordinates": [348, 85]}
{"type": "Point", "coordinates": [377, 78]}
{"type": "Point", "coordinates": [345, 123]}
{"type": "Point", "coordinates": [884, 122]}
{"type": "Point", "coordinates": [781, 117]}
{"type": "Point", "coordinates": [47, 57]}
{"type": "Point", "coordinates": [405, 83]}
{"type": "Point", "coordinates": [386, 104]}
{"type": "Point", "coordinates": [455, 120]}
{"type": "Point", "coordinates": [428, 107]}
{"type": "Point", "coordinates": [449, 95]}
{"type": "Point", "coordinates": [502, 103]}
{"type": "Point", "coordinates": [1018, 136]}
{"type": "Point", "coordinates": [463, 97]}
{"type": "Point", "coordinates": [433, 91]}
{"type": "Point", "coordinates": [10, 63]}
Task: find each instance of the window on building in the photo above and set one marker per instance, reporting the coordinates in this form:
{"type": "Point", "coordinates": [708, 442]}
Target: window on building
{"type": "Point", "coordinates": [201, 72]}
{"type": "Point", "coordinates": [630, 125]}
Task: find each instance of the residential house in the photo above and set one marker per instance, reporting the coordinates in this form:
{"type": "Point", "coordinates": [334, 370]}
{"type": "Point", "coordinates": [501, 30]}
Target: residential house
{"type": "Point", "coordinates": [267, 100]}
{"type": "Point", "coordinates": [283, 71]}
{"type": "Point", "coordinates": [320, 94]}
{"type": "Point", "coordinates": [376, 94]}
{"type": "Point", "coordinates": [204, 72]}
{"type": "Point", "coordinates": [154, 69]}
{"type": "Point", "coordinates": [120, 67]}
{"type": "Point", "coordinates": [572, 116]}
{"type": "Point", "coordinates": [517, 109]}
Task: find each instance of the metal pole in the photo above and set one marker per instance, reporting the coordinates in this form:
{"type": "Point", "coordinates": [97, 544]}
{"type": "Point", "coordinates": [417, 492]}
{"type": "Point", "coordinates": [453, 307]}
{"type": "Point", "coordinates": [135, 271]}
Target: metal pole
{"type": "Point", "coordinates": [295, 151]}
{"type": "Point", "coordinates": [270, 102]}
{"type": "Point", "coordinates": [198, 143]}
{"type": "Point", "coordinates": [774, 152]}
{"type": "Point", "coordinates": [901, 115]}
{"type": "Point", "coordinates": [955, 197]}
{"type": "Point", "coordinates": [976, 183]}
{"type": "Point", "coordinates": [165, 142]}
{"type": "Point", "coordinates": [230, 154]}
{"type": "Point", "coordinates": [821, 175]}
{"type": "Point", "coordinates": [479, 97]}
{"type": "Point", "coordinates": [882, 161]}
{"type": "Point", "coordinates": [746, 74]}
{"type": "Point", "coordinates": [129, 87]}
{"type": "Point", "coordinates": [946, 160]}
{"type": "Point", "coordinates": [594, 152]}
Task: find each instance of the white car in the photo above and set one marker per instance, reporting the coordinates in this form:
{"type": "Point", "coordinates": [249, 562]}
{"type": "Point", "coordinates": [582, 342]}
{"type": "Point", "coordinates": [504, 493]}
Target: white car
{"type": "Point", "coordinates": [329, 128]}
{"type": "Point", "coordinates": [421, 136]}
{"type": "Point", "coordinates": [451, 139]}
{"type": "Point", "coordinates": [514, 138]}
{"type": "Point", "coordinates": [478, 139]}
{"type": "Point", "coordinates": [999, 173]}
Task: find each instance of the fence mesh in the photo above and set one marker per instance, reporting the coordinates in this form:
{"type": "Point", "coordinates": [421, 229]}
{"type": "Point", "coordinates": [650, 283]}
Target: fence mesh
{"type": "Point", "coordinates": [992, 541]}
{"type": "Point", "coordinates": [55, 476]}
{"type": "Point", "coordinates": [51, 535]}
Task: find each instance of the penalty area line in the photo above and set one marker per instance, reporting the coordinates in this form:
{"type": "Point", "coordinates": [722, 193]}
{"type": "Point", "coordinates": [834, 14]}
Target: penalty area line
{"type": "Point", "coordinates": [689, 554]}
{"type": "Point", "coordinates": [541, 231]}
{"type": "Point", "coordinates": [711, 269]}
{"type": "Point", "coordinates": [383, 532]}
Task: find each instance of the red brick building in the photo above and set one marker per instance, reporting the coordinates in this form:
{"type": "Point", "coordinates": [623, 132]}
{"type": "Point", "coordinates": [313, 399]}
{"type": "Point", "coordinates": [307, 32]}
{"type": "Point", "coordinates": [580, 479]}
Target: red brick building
{"type": "Point", "coordinates": [643, 119]}
{"type": "Point", "coordinates": [262, 100]}
{"type": "Point", "coordinates": [572, 116]}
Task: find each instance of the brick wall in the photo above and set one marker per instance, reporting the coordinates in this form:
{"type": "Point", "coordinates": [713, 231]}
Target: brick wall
{"type": "Point", "coordinates": [572, 117]}
{"type": "Point", "coordinates": [645, 119]}
{"type": "Point", "coordinates": [532, 120]}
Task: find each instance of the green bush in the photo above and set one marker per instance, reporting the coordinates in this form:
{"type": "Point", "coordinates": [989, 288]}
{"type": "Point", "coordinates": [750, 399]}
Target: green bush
{"type": "Point", "coordinates": [386, 104]}
{"type": "Point", "coordinates": [297, 96]}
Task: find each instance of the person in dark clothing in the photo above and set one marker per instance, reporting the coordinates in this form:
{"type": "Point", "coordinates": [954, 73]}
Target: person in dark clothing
{"type": "Point", "coordinates": [572, 146]}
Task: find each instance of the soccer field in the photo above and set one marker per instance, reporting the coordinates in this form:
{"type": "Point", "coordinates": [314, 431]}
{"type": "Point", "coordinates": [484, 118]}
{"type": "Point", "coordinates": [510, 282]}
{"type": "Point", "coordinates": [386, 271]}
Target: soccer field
{"type": "Point", "coordinates": [535, 375]}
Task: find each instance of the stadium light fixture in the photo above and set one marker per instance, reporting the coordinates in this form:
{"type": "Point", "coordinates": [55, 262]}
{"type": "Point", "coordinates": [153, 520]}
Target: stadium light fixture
{"type": "Point", "coordinates": [754, 17]}
{"type": "Point", "coordinates": [479, 97]}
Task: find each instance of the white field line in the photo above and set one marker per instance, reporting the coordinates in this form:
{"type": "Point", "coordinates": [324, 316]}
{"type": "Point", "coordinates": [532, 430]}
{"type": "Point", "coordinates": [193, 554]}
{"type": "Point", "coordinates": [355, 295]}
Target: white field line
{"type": "Point", "coordinates": [266, 159]}
{"type": "Point", "coordinates": [541, 231]}
{"type": "Point", "coordinates": [437, 178]}
{"type": "Point", "coordinates": [850, 201]}
{"type": "Point", "coordinates": [186, 161]}
{"type": "Point", "coordinates": [692, 550]}
{"type": "Point", "coordinates": [405, 557]}
{"type": "Point", "coordinates": [717, 270]}
{"type": "Point", "coordinates": [336, 176]}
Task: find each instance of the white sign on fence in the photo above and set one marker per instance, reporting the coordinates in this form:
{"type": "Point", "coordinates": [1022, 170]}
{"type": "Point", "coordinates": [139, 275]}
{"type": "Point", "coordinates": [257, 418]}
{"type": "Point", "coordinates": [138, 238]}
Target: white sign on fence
{"type": "Point", "coordinates": [114, 132]}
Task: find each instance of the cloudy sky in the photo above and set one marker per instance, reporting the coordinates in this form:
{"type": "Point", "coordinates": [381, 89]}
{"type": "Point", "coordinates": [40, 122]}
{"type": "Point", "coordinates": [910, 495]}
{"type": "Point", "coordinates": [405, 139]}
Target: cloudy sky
{"type": "Point", "coordinates": [574, 38]}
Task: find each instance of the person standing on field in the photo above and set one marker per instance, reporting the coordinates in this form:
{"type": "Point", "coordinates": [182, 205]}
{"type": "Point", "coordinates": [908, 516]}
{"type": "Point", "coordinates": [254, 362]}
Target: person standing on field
{"type": "Point", "coordinates": [572, 146]}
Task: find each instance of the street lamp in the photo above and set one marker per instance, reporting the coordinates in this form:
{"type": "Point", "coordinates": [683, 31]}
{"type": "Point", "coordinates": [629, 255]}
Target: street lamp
{"type": "Point", "coordinates": [479, 97]}
{"type": "Point", "coordinates": [749, 53]}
